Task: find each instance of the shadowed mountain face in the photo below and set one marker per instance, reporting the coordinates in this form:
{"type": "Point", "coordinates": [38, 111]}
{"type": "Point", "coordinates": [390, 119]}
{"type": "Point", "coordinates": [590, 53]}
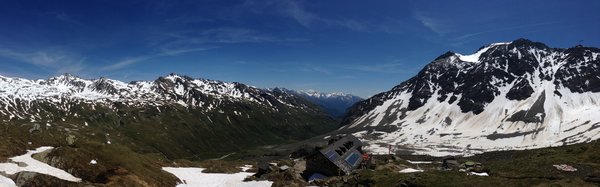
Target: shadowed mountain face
{"type": "Point", "coordinates": [514, 95]}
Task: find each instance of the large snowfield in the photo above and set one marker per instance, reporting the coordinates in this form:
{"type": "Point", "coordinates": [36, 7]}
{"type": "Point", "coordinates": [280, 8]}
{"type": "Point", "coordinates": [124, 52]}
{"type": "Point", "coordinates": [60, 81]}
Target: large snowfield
{"type": "Point", "coordinates": [193, 177]}
{"type": "Point", "coordinates": [32, 165]}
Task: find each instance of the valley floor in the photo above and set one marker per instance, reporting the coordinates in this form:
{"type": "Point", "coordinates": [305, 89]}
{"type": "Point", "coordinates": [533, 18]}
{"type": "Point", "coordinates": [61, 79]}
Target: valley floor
{"type": "Point", "coordinates": [537, 167]}
{"type": "Point", "coordinates": [505, 168]}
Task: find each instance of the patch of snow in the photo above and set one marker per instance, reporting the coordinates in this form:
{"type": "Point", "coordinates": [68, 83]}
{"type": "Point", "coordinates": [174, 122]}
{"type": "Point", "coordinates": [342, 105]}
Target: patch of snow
{"type": "Point", "coordinates": [410, 170]}
{"type": "Point", "coordinates": [475, 56]}
{"type": "Point", "coordinates": [483, 174]}
{"type": "Point", "coordinates": [419, 162]}
{"type": "Point", "coordinates": [93, 162]}
{"type": "Point", "coordinates": [194, 177]}
{"type": "Point", "coordinates": [246, 167]}
{"type": "Point", "coordinates": [33, 165]}
{"type": "Point", "coordinates": [7, 182]}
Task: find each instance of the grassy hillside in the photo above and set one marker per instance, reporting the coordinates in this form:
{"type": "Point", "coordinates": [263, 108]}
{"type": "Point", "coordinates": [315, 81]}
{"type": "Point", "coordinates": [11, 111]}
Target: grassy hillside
{"type": "Point", "coordinates": [131, 144]}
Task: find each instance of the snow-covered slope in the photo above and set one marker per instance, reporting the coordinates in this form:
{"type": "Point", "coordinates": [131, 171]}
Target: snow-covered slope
{"type": "Point", "coordinates": [515, 95]}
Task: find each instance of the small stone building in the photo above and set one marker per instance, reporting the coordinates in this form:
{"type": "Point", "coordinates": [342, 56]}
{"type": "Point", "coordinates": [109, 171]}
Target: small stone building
{"type": "Point", "coordinates": [341, 156]}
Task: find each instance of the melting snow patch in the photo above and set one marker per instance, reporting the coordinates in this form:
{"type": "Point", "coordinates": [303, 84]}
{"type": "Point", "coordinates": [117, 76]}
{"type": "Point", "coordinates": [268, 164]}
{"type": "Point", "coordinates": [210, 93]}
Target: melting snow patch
{"type": "Point", "coordinates": [33, 165]}
{"type": "Point", "coordinates": [6, 182]}
{"type": "Point", "coordinates": [195, 177]}
{"type": "Point", "coordinates": [419, 162]}
{"type": "Point", "coordinates": [410, 170]}
{"type": "Point", "coordinates": [246, 167]}
{"type": "Point", "coordinates": [483, 174]}
{"type": "Point", "coordinates": [564, 167]}
{"type": "Point", "coordinates": [93, 162]}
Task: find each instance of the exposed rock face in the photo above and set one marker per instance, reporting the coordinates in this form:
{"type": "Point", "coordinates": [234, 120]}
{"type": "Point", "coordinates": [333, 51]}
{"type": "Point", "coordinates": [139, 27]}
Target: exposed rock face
{"type": "Point", "coordinates": [504, 88]}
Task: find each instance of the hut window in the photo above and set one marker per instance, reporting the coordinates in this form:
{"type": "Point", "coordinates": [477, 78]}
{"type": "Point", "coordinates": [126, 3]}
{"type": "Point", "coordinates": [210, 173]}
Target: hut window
{"type": "Point", "coordinates": [331, 155]}
{"type": "Point", "coordinates": [352, 159]}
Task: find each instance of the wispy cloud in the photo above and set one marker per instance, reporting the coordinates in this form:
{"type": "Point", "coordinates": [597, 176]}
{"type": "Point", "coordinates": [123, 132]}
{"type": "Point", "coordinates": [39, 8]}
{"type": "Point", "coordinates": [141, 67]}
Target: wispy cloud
{"type": "Point", "coordinates": [64, 17]}
{"type": "Point", "coordinates": [379, 68]}
{"type": "Point", "coordinates": [317, 69]}
{"type": "Point", "coordinates": [525, 26]}
{"type": "Point", "coordinates": [187, 41]}
{"type": "Point", "coordinates": [298, 11]}
{"type": "Point", "coordinates": [216, 37]}
{"type": "Point", "coordinates": [52, 60]}
{"type": "Point", "coordinates": [431, 23]}
{"type": "Point", "coordinates": [134, 60]}
{"type": "Point", "coordinates": [187, 19]}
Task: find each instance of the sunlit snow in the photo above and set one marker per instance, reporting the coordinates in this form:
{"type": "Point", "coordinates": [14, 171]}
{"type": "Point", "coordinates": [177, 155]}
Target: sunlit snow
{"type": "Point", "coordinates": [193, 177]}
{"type": "Point", "coordinates": [32, 165]}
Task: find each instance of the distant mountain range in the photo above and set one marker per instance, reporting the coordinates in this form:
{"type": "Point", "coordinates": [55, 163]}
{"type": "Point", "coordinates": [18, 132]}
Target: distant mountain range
{"type": "Point", "coordinates": [514, 95]}
{"type": "Point", "coordinates": [334, 104]}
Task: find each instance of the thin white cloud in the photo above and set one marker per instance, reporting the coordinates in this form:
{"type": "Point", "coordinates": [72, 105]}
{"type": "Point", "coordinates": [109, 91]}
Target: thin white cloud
{"type": "Point", "coordinates": [298, 12]}
{"type": "Point", "coordinates": [187, 41]}
{"type": "Point", "coordinates": [215, 36]}
{"type": "Point", "coordinates": [317, 69]}
{"type": "Point", "coordinates": [379, 68]}
{"type": "Point", "coordinates": [64, 17]}
{"type": "Point", "coordinates": [294, 10]}
{"type": "Point", "coordinates": [127, 62]}
{"type": "Point", "coordinates": [134, 60]}
{"type": "Point", "coordinates": [432, 24]}
{"type": "Point", "coordinates": [53, 60]}
{"type": "Point", "coordinates": [525, 26]}
{"type": "Point", "coordinates": [187, 19]}
{"type": "Point", "coordinates": [223, 35]}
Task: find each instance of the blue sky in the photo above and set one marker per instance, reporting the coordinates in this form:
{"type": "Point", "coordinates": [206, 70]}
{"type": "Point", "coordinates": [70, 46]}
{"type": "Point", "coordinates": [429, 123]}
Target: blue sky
{"type": "Point", "coordinates": [353, 46]}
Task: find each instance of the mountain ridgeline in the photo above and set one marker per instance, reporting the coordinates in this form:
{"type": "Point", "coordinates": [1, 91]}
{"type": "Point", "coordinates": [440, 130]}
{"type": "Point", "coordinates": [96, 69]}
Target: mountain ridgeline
{"type": "Point", "coordinates": [516, 95]}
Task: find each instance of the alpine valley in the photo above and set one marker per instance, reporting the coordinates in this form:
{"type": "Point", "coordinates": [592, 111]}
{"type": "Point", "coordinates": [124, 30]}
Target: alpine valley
{"type": "Point", "coordinates": [130, 130]}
